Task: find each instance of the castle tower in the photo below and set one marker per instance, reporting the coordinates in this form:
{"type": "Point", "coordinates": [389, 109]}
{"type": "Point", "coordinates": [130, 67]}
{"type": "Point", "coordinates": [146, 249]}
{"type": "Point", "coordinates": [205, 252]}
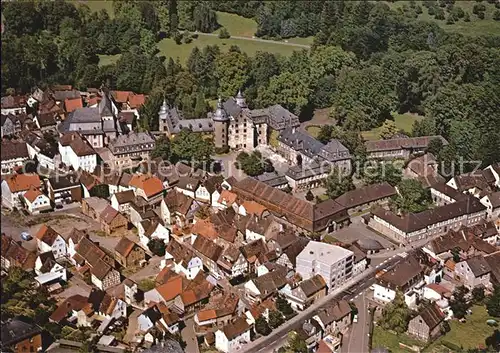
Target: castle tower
{"type": "Point", "coordinates": [162, 116]}
{"type": "Point", "coordinates": [240, 100]}
{"type": "Point", "coordinates": [221, 124]}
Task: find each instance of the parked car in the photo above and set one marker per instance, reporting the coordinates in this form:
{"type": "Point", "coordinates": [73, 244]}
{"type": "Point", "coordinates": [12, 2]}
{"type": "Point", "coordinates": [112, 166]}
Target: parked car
{"type": "Point", "coordinates": [355, 319]}
{"type": "Point", "coordinates": [26, 236]}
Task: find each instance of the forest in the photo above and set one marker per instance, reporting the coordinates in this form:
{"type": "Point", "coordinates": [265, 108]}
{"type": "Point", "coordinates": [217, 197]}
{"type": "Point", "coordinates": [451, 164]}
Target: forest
{"type": "Point", "coordinates": [367, 61]}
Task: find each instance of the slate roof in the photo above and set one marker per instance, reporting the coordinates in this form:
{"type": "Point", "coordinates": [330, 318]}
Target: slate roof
{"type": "Point", "coordinates": [366, 194]}
{"type": "Point", "coordinates": [66, 94]}
{"type": "Point", "coordinates": [132, 140]}
{"type": "Point", "coordinates": [495, 199]}
{"type": "Point", "coordinates": [273, 179]}
{"type": "Point", "coordinates": [277, 117]}
{"type": "Point", "coordinates": [478, 265]}
{"type": "Point", "coordinates": [46, 119]}
{"type": "Point", "coordinates": [415, 221]}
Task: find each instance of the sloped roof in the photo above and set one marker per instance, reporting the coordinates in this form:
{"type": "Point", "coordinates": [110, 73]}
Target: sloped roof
{"type": "Point", "coordinates": [124, 196]}
{"type": "Point", "coordinates": [432, 316]}
{"type": "Point", "coordinates": [415, 221]}
{"type": "Point", "coordinates": [75, 302]}
{"type": "Point", "coordinates": [136, 100]}
{"type": "Point", "coordinates": [109, 214]}
{"type": "Point", "coordinates": [32, 194]}
{"type": "Point", "coordinates": [178, 202]}
{"type": "Point", "coordinates": [399, 143]}
{"type": "Point", "coordinates": [207, 248]}
{"type": "Point", "coordinates": [125, 246]}
{"type": "Point", "coordinates": [70, 104]}
{"type": "Point", "coordinates": [150, 184]}
{"type": "Point", "coordinates": [22, 182]}
{"type": "Point", "coordinates": [47, 234]}
{"type": "Point", "coordinates": [334, 312]}
{"type": "Point", "coordinates": [478, 265]}
{"type": "Point", "coordinates": [402, 274]}
{"type": "Point", "coordinates": [312, 285]}
{"type": "Point", "coordinates": [366, 194]}
{"type": "Point", "coordinates": [236, 328]}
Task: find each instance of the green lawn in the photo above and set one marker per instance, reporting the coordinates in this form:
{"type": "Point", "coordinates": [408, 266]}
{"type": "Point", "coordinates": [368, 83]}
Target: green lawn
{"type": "Point", "coordinates": [98, 5]}
{"type": "Point", "coordinates": [403, 122]}
{"type": "Point", "coordinates": [471, 334]}
{"type": "Point", "coordinates": [306, 40]}
{"type": "Point", "coordinates": [386, 339]}
{"type": "Point", "coordinates": [475, 27]}
{"type": "Point", "coordinates": [237, 25]}
{"type": "Point", "coordinates": [313, 130]}
{"type": "Point", "coordinates": [170, 49]}
{"type": "Point", "coordinates": [108, 59]}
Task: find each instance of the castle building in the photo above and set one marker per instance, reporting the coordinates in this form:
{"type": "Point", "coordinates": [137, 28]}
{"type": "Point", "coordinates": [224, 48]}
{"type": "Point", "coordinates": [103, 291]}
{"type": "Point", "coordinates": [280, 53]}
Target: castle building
{"type": "Point", "coordinates": [97, 124]}
{"type": "Point", "coordinates": [232, 123]}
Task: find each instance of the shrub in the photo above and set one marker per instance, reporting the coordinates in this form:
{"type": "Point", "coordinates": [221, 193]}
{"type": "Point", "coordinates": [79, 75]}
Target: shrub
{"type": "Point", "coordinates": [224, 34]}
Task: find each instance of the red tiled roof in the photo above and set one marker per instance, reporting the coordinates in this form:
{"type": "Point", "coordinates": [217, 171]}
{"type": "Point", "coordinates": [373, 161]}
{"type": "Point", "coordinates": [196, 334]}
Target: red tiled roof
{"type": "Point", "coordinates": [22, 182]}
{"type": "Point", "coordinates": [150, 184]}
{"type": "Point", "coordinates": [121, 96]}
{"type": "Point", "coordinates": [136, 100]}
{"type": "Point", "coordinates": [32, 194]}
{"type": "Point", "coordinates": [72, 104]}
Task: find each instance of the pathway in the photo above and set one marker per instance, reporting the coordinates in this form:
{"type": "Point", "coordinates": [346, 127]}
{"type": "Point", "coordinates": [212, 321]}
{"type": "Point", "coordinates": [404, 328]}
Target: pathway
{"type": "Point", "coordinates": [189, 337]}
{"type": "Point", "coordinates": [305, 46]}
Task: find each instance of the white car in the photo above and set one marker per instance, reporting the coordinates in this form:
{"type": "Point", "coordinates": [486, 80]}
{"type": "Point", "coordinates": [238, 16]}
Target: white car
{"type": "Point", "coordinates": [355, 320]}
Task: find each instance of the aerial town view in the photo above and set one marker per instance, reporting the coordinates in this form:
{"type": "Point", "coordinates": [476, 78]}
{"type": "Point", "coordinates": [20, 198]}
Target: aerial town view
{"type": "Point", "coordinates": [250, 176]}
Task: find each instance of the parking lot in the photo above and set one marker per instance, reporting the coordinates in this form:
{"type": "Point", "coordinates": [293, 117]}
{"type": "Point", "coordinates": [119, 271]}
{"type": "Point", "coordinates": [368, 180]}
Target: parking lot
{"type": "Point", "coordinates": [357, 231]}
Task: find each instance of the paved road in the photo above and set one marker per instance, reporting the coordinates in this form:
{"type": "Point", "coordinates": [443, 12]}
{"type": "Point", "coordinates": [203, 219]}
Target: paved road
{"type": "Point", "coordinates": [348, 290]}
{"type": "Point", "coordinates": [14, 229]}
{"type": "Point", "coordinates": [357, 339]}
{"type": "Point", "coordinates": [189, 337]}
{"type": "Point", "coordinates": [305, 46]}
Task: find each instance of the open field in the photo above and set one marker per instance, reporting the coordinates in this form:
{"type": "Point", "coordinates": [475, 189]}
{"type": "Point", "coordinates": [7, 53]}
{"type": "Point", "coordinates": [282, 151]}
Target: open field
{"type": "Point", "coordinates": [471, 334]}
{"type": "Point", "coordinates": [403, 122]}
{"type": "Point", "coordinates": [475, 27]}
{"type": "Point", "coordinates": [98, 5]}
{"type": "Point", "coordinates": [108, 59]}
{"type": "Point", "coordinates": [170, 49]}
{"type": "Point", "coordinates": [237, 25]}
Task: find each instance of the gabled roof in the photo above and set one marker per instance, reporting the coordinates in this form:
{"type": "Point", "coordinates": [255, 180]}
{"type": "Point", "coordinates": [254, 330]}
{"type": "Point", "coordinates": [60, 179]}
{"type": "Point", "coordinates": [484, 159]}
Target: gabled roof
{"type": "Point", "coordinates": [136, 100]}
{"type": "Point", "coordinates": [109, 214]}
{"type": "Point", "coordinates": [121, 96]}
{"type": "Point", "coordinates": [47, 234]}
{"type": "Point", "coordinates": [150, 184]}
{"type": "Point", "coordinates": [432, 316]}
{"type": "Point", "coordinates": [22, 182]}
{"type": "Point", "coordinates": [14, 150]}
{"type": "Point", "coordinates": [178, 202]}
{"type": "Point", "coordinates": [415, 221]}
{"type": "Point", "coordinates": [401, 143]}
{"type": "Point", "coordinates": [32, 194]}
{"type": "Point", "coordinates": [478, 265]}
{"type": "Point", "coordinates": [179, 252]}
{"type": "Point", "coordinates": [366, 194]}
{"type": "Point", "coordinates": [252, 251]}
{"type": "Point", "coordinates": [75, 302]}
{"type": "Point", "coordinates": [404, 273]}
{"type": "Point", "coordinates": [334, 312]}
{"type": "Point", "coordinates": [271, 282]}
{"type": "Point", "coordinates": [70, 104]}
{"type": "Point", "coordinates": [312, 285]}
{"type": "Point", "coordinates": [213, 183]}
{"type": "Point", "coordinates": [125, 246]}
{"type": "Point", "coordinates": [236, 328]}
{"type": "Point", "coordinates": [207, 248]}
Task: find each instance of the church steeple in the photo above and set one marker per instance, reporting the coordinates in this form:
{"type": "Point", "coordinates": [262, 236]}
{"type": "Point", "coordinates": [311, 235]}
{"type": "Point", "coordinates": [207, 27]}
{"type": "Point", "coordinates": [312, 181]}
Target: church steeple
{"type": "Point", "coordinates": [164, 107]}
{"type": "Point", "coordinates": [240, 100]}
